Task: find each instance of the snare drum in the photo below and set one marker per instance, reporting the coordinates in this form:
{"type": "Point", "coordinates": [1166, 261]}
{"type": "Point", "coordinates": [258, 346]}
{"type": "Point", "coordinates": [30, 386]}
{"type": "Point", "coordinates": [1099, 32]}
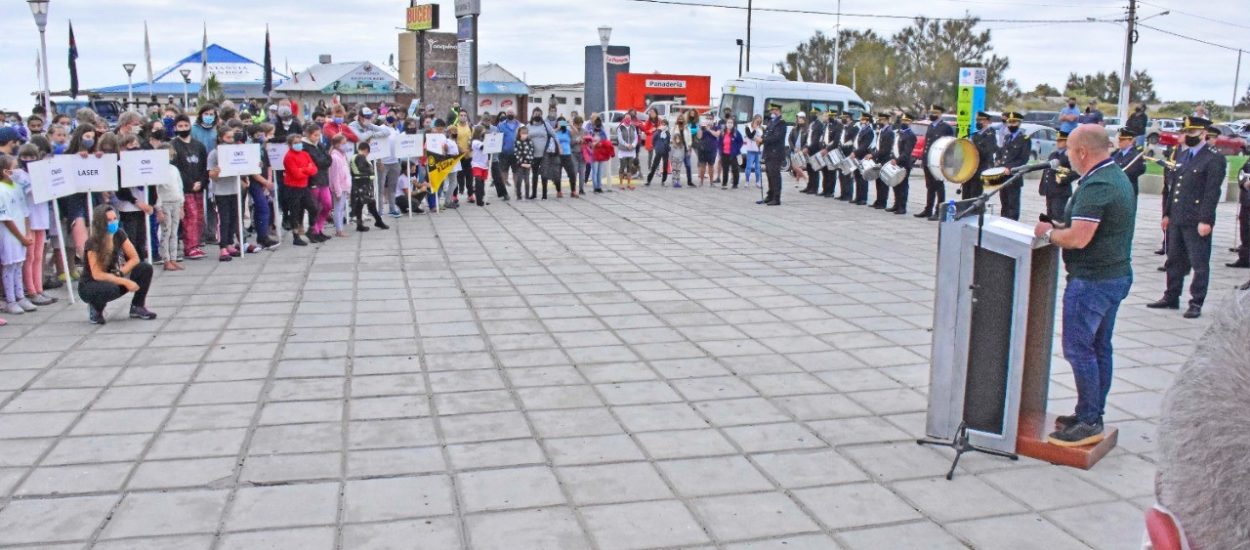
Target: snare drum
{"type": "Point", "coordinates": [893, 174]}
{"type": "Point", "coordinates": [870, 169]}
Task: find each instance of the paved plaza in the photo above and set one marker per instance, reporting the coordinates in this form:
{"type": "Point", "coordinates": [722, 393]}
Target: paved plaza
{"type": "Point", "coordinates": [661, 368]}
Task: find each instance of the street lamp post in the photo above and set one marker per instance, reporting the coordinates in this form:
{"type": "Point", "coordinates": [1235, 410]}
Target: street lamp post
{"type": "Point", "coordinates": [605, 35]}
{"type": "Point", "coordinates": [130, 84]}
{"type": "Point", "coordinates": [739, 57]}
{"type": "Point", "coordinates": [39, 8]}
{"type": "Point", "coordinates": [186, 83]}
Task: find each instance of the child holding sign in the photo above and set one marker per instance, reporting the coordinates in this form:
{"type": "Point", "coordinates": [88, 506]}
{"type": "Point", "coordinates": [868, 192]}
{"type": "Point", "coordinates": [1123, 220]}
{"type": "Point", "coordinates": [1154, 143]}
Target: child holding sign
{"type": "Point", "coordinates": [40, 216]}
{"type": "Point", "coordinates": [226, 192]}
{"type": "Point", "coordinates": [13, 238]}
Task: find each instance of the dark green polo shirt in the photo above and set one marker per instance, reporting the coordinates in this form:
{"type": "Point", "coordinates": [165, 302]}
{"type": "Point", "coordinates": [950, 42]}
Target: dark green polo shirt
{"type": "Point", "coordinates": [1104, 196]}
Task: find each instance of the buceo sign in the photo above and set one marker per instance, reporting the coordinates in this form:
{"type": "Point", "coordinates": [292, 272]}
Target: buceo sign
{"type": "Point", "coordinates": [423, 17]}
{"type": "Point", "coordinates": [666, 84]}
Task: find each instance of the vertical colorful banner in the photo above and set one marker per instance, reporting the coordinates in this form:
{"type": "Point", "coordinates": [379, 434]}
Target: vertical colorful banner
{"type": "Point", "coordinates": [971, 98]}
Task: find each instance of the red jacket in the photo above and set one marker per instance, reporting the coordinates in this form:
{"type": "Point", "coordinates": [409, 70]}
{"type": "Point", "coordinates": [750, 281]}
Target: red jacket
{"type": "Point", "coordinates": [331, 129]}
{"type": "Point", "coordinates": [647, 128]}
{"type": "Point", "coordinates": [299, 167]}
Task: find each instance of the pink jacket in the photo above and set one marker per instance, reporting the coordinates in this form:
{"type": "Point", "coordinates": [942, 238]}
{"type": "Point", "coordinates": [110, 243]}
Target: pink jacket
{"type": "Point", "coordinates": [340, 175]}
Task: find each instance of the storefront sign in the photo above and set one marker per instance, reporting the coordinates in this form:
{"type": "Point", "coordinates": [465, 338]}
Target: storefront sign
{"type": "Point", "coordinates": [666, 84]}
{"type": "Point", "coordinates": [468, 7]}
{"type": "Point", "coordinates": [618, 60]}
{"type": "Point", "coordinates": [423, 17]}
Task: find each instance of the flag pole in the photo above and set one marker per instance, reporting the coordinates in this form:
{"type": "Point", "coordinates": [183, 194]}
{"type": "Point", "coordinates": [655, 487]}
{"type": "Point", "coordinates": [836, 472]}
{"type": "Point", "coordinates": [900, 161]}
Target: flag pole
{"type": "Point", "coordinates": [238, 201]}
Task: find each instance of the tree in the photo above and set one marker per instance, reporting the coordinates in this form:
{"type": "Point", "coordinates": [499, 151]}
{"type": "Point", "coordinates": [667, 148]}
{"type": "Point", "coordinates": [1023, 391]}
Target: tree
{"type": "Point", "coordinates": [930, 54]}
{"type": "Point", "coordinates": [1142, 88]}
{"type": "Point", "coordinates": [212, 92]}
{"type": "Point", "coordinates": [865, 59]}
{"type": "Point", "coordinates": [1106, 87]}
{"type": "Point", "coordinates": [1044, 90]}
{"type": "Point", "coordinates": [1244, 102]}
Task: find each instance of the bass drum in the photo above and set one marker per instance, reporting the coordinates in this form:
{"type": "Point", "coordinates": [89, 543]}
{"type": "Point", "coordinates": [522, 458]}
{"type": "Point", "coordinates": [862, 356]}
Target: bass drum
{"type": "Point", "coordinates": [953, 159]}
{"type": "Point", "coordinates": [893, 174]}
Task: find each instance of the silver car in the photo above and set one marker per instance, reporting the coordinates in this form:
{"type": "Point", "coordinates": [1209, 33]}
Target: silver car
{"type": "Point", "coordinates": [1043, 140]}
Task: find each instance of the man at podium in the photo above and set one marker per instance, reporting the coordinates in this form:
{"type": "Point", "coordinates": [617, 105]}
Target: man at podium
{"type": "Point", "coordinates": [1096, 236]}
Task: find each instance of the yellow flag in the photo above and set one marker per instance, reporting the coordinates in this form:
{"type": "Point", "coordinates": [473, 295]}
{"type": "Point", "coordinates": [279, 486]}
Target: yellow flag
{"type": "Point", "coordinates": [439, 170]}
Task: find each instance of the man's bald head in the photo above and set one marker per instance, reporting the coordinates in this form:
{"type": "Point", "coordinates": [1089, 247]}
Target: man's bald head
{"type": "Point", "coordinates": [1088, 145]}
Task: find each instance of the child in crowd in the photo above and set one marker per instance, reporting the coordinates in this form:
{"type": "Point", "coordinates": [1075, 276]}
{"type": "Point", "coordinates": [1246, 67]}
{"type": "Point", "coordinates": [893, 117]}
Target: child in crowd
{"type": "Point", "coordinates": [13, 238]}
{"type": "Point", "coordinates": [226, 193]}
{"type": "Point", "coordinates": [169, 199]}
{"type": "Point", "coordinates": [40, 216]}
{"type": "Point", "coordinates": [525, 159]}
{"type": "Point", "coordinates": [340, 180]}
{"type": "Point", "coordinates": [258, 188]}
{"type": "Point", "coordinates": [362, 189]}
{"type": "Point", "coordinates": [480, 167]}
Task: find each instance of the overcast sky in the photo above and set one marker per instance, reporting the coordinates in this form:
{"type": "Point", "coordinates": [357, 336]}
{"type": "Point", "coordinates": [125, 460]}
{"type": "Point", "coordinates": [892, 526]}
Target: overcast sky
{"type": "Point", "coordinates": [544, 39]}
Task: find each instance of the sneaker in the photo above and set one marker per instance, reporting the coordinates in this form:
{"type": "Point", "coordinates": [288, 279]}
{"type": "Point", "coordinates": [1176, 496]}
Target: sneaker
{"type": "Point", "coordinates": [95, 317]}
{"type": "Point", "coordinates": [1077, 435]}
{"type": "Point", "coordinates": [27, 305]}
{"type": "Point", "coordinates": [395, 214]}
{"type": "Point", "coordinates": [13, 309]}
{"type": "Point", "coordinates": [40, 300]}
{"type": "Point", "coordinates": [140, 312]}
{"type": "Point", "coordinates": [271, 244]}
{"type": "Point", "coordinates": [52, 282]}
{"type": "Point", "coordinates": [225, 256]}
{"type": "Point", "coordinates": [1062, 422]}
{"type": "Point", "coordinates": [51, 299]}
{"type": "Point", "coordinates": [252, 249]}
{"type": "Point", "coordinates": [196, 254]}
{"type": "Point", "coordinates": [299, 241]}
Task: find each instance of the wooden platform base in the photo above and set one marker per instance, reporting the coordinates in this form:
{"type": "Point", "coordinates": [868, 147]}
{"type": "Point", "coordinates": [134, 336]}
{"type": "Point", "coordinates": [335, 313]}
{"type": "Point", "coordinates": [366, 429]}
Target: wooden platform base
{"type": "Point", "coordinates": [1028, 444]}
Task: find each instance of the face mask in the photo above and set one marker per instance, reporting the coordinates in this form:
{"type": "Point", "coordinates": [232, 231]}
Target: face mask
{"type": "Point", "coordinates": [980, 126]}
{"type": "Point", "coordinates": [58, 148]}
{"type": "Point", "coordinates": [88, 143]}
{"type": "Point", "coordinates": [1013, 127]}
{"type": "Point", "coordinates": [209, 119]}
{"type": "Point", "coordinates": [168, 121]}
{"type": "Point", "coordinates": [1192, 141]}
{"type": "Point", "coordinates": [114, 226]}
{"type": "Point", "coordinates": [240, 137]}
{"type": "Point", "coordinates": [390, 120]}
{"type": "Point", "coordinates": [933, 118]}
{"type": "Point", "coordinates": [511, 117]}
{"type": "Point", "coordinates": [158, 134]}
{"type": "Point", "coordinates": [536, 120]}
{"type": "Point", "coordinates": [298, 147]}
{"type": "Point", "coordinates": [1070, 105]}
{"type": "Point", "coordinates": [184, 134]}
{"type": "Point", "coordinates": [338, 120]}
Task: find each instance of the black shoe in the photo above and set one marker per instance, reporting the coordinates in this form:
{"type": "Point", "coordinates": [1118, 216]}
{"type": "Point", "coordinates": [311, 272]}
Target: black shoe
{"type": "Point", "coordinates": [1160, 252]}
{"type": "Point", "coordinates": [878, 206]}
{"type": "Point", "coordinates": [892, 209]}
{"type": "Point", "coordinates": [1239, 264]}
{"type": "Point", "coordinates": [380, 224]}
{"type": "Point", "coordinates": [759, 202]}
{"type": "Point", "coordinates": [1077, 435]}
{"type": "Point", "coordinates": [648, 184]}
{"type": "Point", "coordinates": [482, 203]}
{"type": "Point", "coordinates": [860, 203]}
{"type": "Point", "coordinates": [504, 198]}
{"type": "Point", "coordinates": [52, 283]}
{"type": "Point", "coordinates": [94, 316]}
{"type": "Point", "coordinates": [360, 228]}
{"type": "Point", "coordinates": [1193, 312]}
{"type": "Point", "coordinates": [845, 198]}
{"type": "Point", "coordinates": [1063, 422]}
{"type": "Point", "coordinates": [773, 203]}
{"type": "Point", "coordinates": [808, 192]}
{"type": "Point", "coordinates": [598, 190]}
{"type": "Point", "coordinates": [923, 214]}
{"type": "Point", "coordinates": [299, 241]}
{"type": "Point", "coordinates": [140, 312]}
{"type": "Point", "coordinates": [933, 217]}
{"type": "Point", "coordinates": [900, 212]}
{"type": "Point", "coordinates": [316, 238]}
{"type": "Point", "coordinates": [271, 244]}
{"type": "Point", "coordinates": [1164, 304]}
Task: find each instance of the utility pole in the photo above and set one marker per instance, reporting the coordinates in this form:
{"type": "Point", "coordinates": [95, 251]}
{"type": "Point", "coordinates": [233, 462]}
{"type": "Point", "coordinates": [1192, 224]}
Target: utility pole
{"type": "Point", "coordinates": [1232, 108]}
{"type": "Point", "coordinates": [749, 2]}
{"type": "Point", "coordinates": [837, 39]}
{"type": "Point", "coordinates": [1127, 76]}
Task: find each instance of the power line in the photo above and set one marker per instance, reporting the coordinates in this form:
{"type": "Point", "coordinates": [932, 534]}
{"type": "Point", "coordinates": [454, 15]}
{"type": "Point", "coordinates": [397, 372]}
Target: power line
{"type": "Point", "coordinates": [1196, 16]}
{"type": "Point", "coordinates": [1032, 5]}
{"type": "Point", "coordinates": [1190, 38]}
{"type": "Point", "coordinates": [866, 15]}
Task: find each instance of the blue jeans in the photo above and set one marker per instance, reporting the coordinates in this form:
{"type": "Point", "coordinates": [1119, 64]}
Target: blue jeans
{"type": "Point", "coordinates": [1089, 309]}
{"type": "Point", "coordinates": [260, 211]}
{"type": "Point", "coordinates": [753, 165]}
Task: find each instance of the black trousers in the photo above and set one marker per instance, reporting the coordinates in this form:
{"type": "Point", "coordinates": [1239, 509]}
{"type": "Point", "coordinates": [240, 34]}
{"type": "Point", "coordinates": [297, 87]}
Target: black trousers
{"type": "Point", "coordinates": [727, 164]}
{"type": "Point", "coordinates": [135, 224]}
{"type": "Point", "coordinates": [228, 219]}
{"type": "Point", "coordinates": [935, 191]}
{"type": "Point", "coordinates": [566, 164]}
{"type": "Point", "coordinates": [1011, 202]}
{"type": "Point", "coordinates": [99, 294]}
{"type": "Point", "coordinates": [772, 169]}
{"type": "Point", "coordinates": [1187, 250]}
{"type": "Point", "coordinates": [660, 161]}
{"type": "Point", "coordinates": [813, 181]}
{"type": "Point", "coordinates": [828, 180]}
{"type": "Point", "coordinates": [900, 192]}
{"type": "Point", "coordinates": [848, 186]}
{"type": "Point", "coordinates": [1243, 229]}
{"type": "Point", "coordinates": [883, 193]}
{"type": "Point", "coordinates": [302, 203]}
{"type": "Point", "coordinates": [1055, 205]}
{"type": "Point", "coordinates": [861, 188]}
{"type": "Point", "coordinates": [972, 189]}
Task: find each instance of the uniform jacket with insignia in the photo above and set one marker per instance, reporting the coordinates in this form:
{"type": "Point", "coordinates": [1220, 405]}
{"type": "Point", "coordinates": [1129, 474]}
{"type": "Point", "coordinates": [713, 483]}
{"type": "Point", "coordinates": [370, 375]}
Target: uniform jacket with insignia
{"type": "Point", "coordinates": [863, 141]}
{"type": "Point", "coordinates": [906, 144]}
{"type": "Point", "coordinates": [1015, 150]}
{"type": "Point", "coordinates": [885, 145]}
{"type": "Point", "coordinates": [1196, 191]}
{"type": "Point", "coordinates": [986, 143]}
{"type": "Point", "coordinates": [1057, 183]}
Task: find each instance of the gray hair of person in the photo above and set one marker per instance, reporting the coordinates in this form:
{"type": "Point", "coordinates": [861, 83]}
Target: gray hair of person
{"type": "Point", "coordinates": [128, 118]}
{"type": "Point", "coordinates": [1091, 137]}
{"type": "Point", "coordinates": [85, 116]}
{"type": "Point", "coordinates": [1203, 437]}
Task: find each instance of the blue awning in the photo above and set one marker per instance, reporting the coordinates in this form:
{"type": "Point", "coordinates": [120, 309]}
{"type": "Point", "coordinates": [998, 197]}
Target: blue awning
{"type": "Point", "coordinates": [502, 88]}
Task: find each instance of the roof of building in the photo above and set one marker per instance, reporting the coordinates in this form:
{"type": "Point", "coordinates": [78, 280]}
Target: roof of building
{"type": "Point", "coordinates": [229, 67]}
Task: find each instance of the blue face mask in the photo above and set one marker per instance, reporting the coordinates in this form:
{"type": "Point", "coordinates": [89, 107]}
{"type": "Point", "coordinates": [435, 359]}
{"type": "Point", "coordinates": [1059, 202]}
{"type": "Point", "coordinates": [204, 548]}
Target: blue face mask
{"type": "Point", "coordinates": [338, 120]}
{"type": "Point", "coordinates": [210, 119]}
{"type": "Point", "coordinates": [298, 147]}
{"type": "Point", "coordinates": [88, 143]}
{"type": "Point", "coordinates": [58, 148]}
{"type": "Point", "coordinates": [114, 226]}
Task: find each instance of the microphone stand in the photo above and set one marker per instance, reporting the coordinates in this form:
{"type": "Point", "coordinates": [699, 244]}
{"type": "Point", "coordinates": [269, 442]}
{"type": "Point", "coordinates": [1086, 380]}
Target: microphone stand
{"type": "Point", "coordinates": [960, 442]}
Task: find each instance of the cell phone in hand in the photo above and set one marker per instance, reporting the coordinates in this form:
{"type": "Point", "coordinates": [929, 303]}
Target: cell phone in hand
{"type": "Point", "coordinates": [1045, 219]}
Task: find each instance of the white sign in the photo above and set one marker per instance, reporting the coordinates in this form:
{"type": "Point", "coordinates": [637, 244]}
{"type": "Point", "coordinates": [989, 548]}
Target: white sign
{"type": "Point", "coordinates": [464, 62]}
{"type": "Point", "coordinates": [493, 143]}
{"type": "Point", "coordinates": [49, 179]}
{"type": "Point", "coordinates": [666, 84]}
{"type": "Point", "coordinates": [409, 145]}
{"type": "Point", "coordinates": [468, 7]}
{"type": "Point", "coordinates": [434, 143]}
{"type": "Point", "coordinates": [379, 148]}
{"type": "Point", "coordinates": [238, 160]}
{"type": "Point", "coordinates": [141, 168]}
{"type": "Point", "coordinates": [618, 60]}
{"type": "Point", "coordinates": [972, 76]}
{"type": "Point", "coordinates": [91, 174]}
{"type": "Point", "coordinates": [277, 154]}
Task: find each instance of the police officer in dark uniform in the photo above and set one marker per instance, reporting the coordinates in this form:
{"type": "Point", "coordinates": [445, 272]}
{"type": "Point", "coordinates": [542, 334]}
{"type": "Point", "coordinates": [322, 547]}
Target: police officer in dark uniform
{"type": "Point", "coordinates": [1130, 156]}
{"type": "Point", "coordinates": [1168, 163]}
{"type": "Point", "coordinates": [985, 139]}
{"type": "Point", "coordinates": [811, 146]}
{"type": "Point", "coordinates": [935, 190]}
{"type": "Point", "coordinates": [774, 143]}
{"type": "Point", "coordinates": [883, 154]}
{"type": "Point", "coordinates": [1243, 219]}
{"type": "Point", "coordinates": [1015, 153]}
{"type": "Point", "coordinates": [1189, 218]}
{"type": "Point", "coordinates": [830, 139]}
{"type": "Point", "coordinates": [906, 142]}
{"type": "Point", "coordinates": [849, 131]}
{"type": "Point", "coordinates": [863, 150]}
{"type": "Point", "coordinates": [1056, 185]}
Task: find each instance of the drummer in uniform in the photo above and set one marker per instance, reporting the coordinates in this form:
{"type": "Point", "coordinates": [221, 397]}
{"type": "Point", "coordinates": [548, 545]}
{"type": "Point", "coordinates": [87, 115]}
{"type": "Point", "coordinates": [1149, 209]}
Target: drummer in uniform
{"type": "Point", "coordinates": [1189, 218]}
{"type": "Point", "coordinates": [849, 131]}
{"type": "Point", "coordinates": [829, 140]}
{"type": "Point", "coordinates": [883, 154]}
{"type": "Point", "coordinates": [906, 143]}
{"type": "Point", "coordinates": [1056, 184]}
{"type": "Point", "coordinates": [811, 146]}
{"type": "Point", "coordinates": [985, 139]}
{"type": "Point", "coordinates": [863, 151]}
{"type": "Point", "coordinates": [935, 190]}
{"type": "Point", "coordinates": [1130, 156]}
{"type": "Point", "coordinates": [1014, 153]}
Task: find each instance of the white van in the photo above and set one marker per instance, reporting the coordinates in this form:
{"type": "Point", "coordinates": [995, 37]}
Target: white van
{"type": "Point", "coordinates": [751, 94]}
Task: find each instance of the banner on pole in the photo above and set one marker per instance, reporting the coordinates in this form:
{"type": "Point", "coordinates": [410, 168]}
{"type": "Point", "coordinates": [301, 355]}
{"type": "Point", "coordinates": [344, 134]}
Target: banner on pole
{"type": "Point", "coordinates": [238, 159]}
{"type": "Point", "coordinates": [379, 148]}
{"type": "Point", "coordinates": [141, 168]}
{"type": "Point", "coordinates": [49, 179]}
{"type": "Point", "coordinates": [971, 98]}
{"type": "Point", "coordinates": [409, 145]}
{"type": "Point", "coordinates": [94, 174]}
{"type": "Point", "coordinates": [277, 154]}
{"type": "Point", "coordinates": [440, 168]}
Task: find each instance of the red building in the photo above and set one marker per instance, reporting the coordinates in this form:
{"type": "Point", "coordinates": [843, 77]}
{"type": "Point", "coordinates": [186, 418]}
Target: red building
{"type": "Point", "coordinates": [636, 91]}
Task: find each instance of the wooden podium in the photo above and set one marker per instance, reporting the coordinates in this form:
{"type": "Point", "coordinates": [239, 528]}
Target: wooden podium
{"type": "Point", "coordinates": [993, 329]}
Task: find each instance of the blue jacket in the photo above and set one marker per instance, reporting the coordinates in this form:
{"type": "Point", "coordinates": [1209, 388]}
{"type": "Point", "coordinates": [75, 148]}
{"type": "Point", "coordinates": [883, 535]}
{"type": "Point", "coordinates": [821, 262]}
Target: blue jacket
{"type": "Point", "coordinates": [735, 142]}
{"type": "Point", "coordinates": [564, 141]}
{"type": "Point", "coordinates": [509, 128]}
{"type": "Point", "coordinates": [206, 136]}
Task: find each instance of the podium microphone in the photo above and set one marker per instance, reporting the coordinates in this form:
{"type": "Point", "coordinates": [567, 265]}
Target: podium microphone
{"type": "Point", "coordinates": [1052, 164]}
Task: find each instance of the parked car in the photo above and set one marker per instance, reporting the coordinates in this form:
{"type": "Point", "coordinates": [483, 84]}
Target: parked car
{"type": "Point", "coordinates": [611, 120]}
{"type": "Point", "coordinates": [1230, 142]}
{"type": "Point", "coordinates": [1044, 118]}
{"type": "Point", "coordinates": [1043, 139]}
{"type": "Point", "coordinates": [1162, 131]}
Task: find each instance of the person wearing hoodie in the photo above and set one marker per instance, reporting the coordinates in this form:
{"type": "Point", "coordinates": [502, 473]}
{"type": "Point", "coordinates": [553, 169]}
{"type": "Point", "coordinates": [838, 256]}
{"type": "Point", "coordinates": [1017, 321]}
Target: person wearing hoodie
{"type": "Point", "coordinates": [336, 125]}
{"type": "Point", "coordinates": [540, 135]}
{"type": "Point", "coordinates": [299, 168]}
{"type": "Point", "coordinates": [388, 174]}
{"type": "Point", "coordinates": [319, 183]}
{"type": "Point", "coordinates": [205, 131]}
{"type": "Point", "coordinates": [191, 158]}
{"type": "Point", "coordinates": [340, 180]}
{"type": "Point", "coordinates": [661, 141]}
